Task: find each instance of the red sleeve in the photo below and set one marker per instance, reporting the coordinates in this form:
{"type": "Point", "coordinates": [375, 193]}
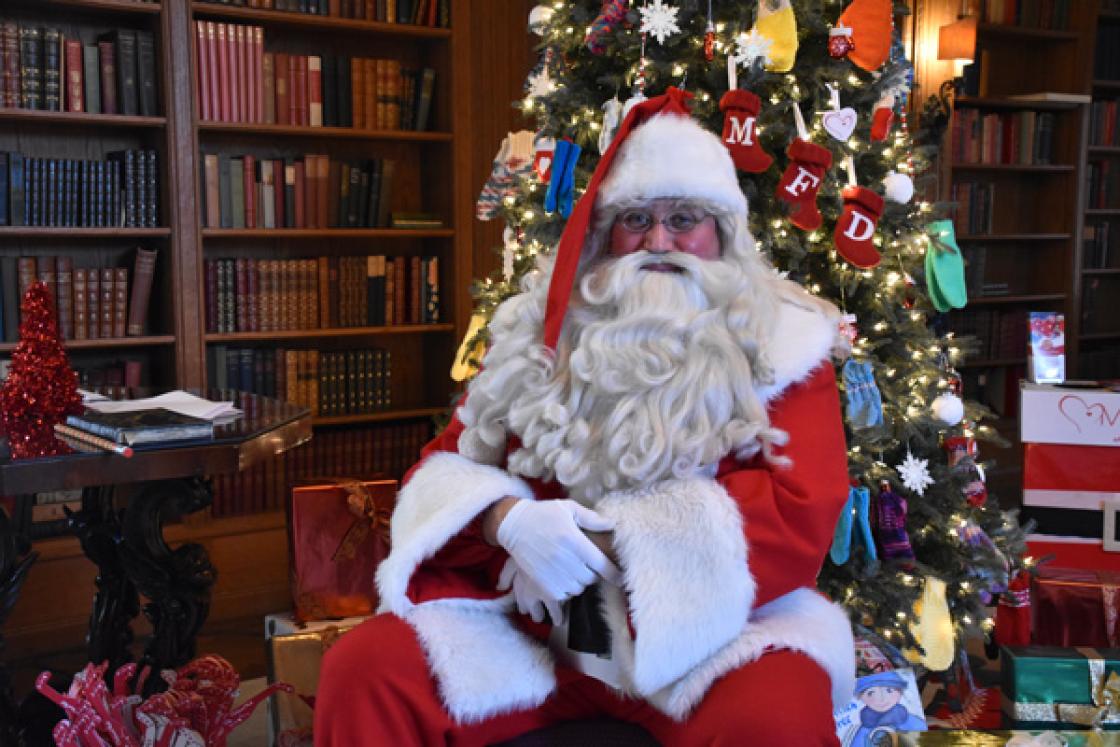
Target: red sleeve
{"type": "Point", "coordinates": [790, 513]}
{"type": "Point", "coordinates": [467, 566]}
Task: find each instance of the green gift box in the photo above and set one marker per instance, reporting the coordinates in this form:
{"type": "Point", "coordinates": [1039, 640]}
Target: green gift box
{"type": "Point", "coordinates": [1047, 686]}
{"type": "Point", "coordinates": [1034, 738]}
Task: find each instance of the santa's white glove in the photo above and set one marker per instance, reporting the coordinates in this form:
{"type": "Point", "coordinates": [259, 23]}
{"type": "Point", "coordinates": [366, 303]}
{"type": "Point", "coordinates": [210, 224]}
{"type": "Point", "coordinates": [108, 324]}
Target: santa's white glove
{"type": "Point", "coordinates": [546, 540]}
{"type": "Point", "coordinates": [531, 600]}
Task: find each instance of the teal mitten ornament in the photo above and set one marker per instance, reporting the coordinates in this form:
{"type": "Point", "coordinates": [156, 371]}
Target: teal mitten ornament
{"type": "Point", "coordinates": [945, 267]}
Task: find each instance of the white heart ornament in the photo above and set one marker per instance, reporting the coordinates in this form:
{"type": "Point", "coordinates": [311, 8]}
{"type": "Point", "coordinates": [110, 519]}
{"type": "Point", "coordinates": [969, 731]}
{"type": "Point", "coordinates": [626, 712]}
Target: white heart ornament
{"type": "Point", "coordinates": [544, 163]}
{"type": "Point", "coordinates": [840, 123]}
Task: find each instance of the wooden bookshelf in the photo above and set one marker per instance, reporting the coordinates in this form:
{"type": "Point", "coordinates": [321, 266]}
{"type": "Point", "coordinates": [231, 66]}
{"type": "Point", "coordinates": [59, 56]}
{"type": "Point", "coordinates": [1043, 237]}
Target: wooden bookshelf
{"type": "Point", "coordinates": [310, 334]}
{"type": "Point", "coordinates": [322, 23]}
{"type": "Point", "coordinates": [1016, 167]}
{"type": "Point", "coordinates": [114, 7]}
{"type": "Point", "coordinates": [379, 417]}
{"type": "Point", "coordinates": [109, 343]}
{"type": "Point", "coordinates": [327, 233]}
{"type": "Point", "coordinates": [405, 136]}
{"type": "Point", "coordinates": [48, 232]}
{"type": "Point", "coordinates": [78, 119]}
{"type": "Point", "coordinates": [1015, 237]}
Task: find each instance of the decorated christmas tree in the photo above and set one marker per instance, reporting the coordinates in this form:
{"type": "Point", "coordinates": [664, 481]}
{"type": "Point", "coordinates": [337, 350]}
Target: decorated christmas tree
{"type": "Point", "coordinates": [41, 388]}
{"type": "Point", "coordinates": [811, 98]}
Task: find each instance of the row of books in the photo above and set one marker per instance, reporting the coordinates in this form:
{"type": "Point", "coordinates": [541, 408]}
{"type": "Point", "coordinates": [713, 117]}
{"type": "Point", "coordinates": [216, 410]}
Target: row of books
{"type": "Point", "coordinates": [127, 373]}
{"type": "Point", "coordinates": [974, 202]}
{"type": "Point", "coordinates": [1096, 246]}
{"type": "Point", "coordinates": [120, 190]}
{"type": "Point", "coordinates": [1013, 138]}
{"type": "Point", "coordinates": [432, 13]}
{"type": "Point", "coordinates": [1106, 64]}
{"type": "Point", "coordinates": [328, 382]}
{"type": "Point", "coordinates": [1039, 14]}
{"type": "Point", "coordinates": [380, 451]}
{"type": "Point", "coordinates": [1001, 333]}
{"type": "Point", "coordinates": [271, 295]}
{"type": "Point", "coordinates": [309, 191]}
{"type": "Point", "coordinates": [49, 69]}
{"type": "Point", "coordinates": [1101, 178]}
{"type": "Point", "coordinates": [91, 302]}
{"type": "Point", "coordinates": [238, 81]}
{"type": "Point", "coordinates": [1102, 123]}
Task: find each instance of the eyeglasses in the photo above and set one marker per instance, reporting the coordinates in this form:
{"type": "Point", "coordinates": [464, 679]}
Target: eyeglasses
{"type": "Point", "coordinates": [677, 221]}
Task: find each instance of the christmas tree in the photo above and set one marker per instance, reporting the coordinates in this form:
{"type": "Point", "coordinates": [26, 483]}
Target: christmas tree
{"type": "Point", "coordinates": [41, 388]}
{"type": "Point", "coordinates": [811, 98]}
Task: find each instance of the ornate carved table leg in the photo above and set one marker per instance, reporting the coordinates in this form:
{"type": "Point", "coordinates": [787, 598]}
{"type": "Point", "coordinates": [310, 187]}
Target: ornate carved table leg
{"type": "Point", "coordinates": [15, 561]}
{"type": "Point", "coordinates": [177, 582]}
{"type": "Point", "coordinates": [116, 603]}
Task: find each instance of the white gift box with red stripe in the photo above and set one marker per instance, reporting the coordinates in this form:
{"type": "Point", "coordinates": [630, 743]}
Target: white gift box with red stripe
{"type": "Point", "coordinates": [1071, 458]}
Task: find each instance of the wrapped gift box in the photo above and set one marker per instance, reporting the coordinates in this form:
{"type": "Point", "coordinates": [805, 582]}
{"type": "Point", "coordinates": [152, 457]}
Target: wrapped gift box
{"type": "Point", "coordinates": [338, 532]}
{"type": "Point", "coordinates": [1036, 738]}
{"type": "Point", "coordinates": [1071, 457]}
{"type": "Point", "coordinates": [1047, 687]}
{"type": "Point", "coordinates": [1075, 607]}
{"type": "Point", "coordinates": [295, 654]}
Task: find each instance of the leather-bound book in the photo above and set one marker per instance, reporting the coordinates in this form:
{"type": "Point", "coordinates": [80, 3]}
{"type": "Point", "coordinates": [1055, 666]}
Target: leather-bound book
{"type": "Point", "coordinates": [107, 54]}
{"type": "Point", "coordinates": [302, 92]}
{"type": "Point", "coordinates": [75, 89]}
{"type": "Point", "coordinates": [93, 303]}
{"type": "Point", "coordinates": [120, 301]}
{"type": "Point", "coordinates": [370, 91]}
{"type": "Point", "coordinates": [151, 188]}
{"type": "Point", "coordinates": [249, 188]}
{"type": "Point", "coordinates": [344, 92]}
{"type": "Point", "coordinates": [31, 67]}
{"type": "Point", "coordinates": [241, 282]}
{"type": "Point", "coordinates": [221, 43]}
{"type": "Point", "coordinates": [47, 269]}
{"type": "Point", "coordinates": [124, 41]}
{"type": "Point", "coordinates": [283, 88]}
{"type": "Point", "coordinates": [147, 72]}
{"type": "Point", "coordinates": [143, 272]}
{"type": "Point", "coordinates": [52, 69]}
{"type": "Point", "coordinates": [64, 295]}
{"type": "Point", "coordinates": [203, 71]}
{"type": "Point", "coordinates": [268, 87]}
{"type": "Point", "coordinates": [9, 57]}
{"type": "Point", "coordinates": [81, 303]}
{"type": "Point", "coordinates": [329, 86]}
{"type": "Point", "coordinates": [105, 306]}
{"type": "Point", "coordinates": [357, 92]}
{"type": "Point", "coordinates": [210, 278]}
{"type": "Point", "coordinates": [299, 187]}
{"type": "Point", "coordinates": [253, 301]}
{"type": "Point", "coordinates": [315, 91]}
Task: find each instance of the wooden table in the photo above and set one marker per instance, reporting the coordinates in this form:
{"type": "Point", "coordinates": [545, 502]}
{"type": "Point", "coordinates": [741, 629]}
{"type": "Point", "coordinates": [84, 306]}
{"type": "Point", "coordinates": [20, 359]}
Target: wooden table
{"type": "Point", "coordinates": [127, 544]}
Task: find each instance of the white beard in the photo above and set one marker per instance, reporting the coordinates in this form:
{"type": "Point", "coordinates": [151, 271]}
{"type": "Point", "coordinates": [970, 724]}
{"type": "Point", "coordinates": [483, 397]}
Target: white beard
{"type": "Point", "coordinates": [658, 383]}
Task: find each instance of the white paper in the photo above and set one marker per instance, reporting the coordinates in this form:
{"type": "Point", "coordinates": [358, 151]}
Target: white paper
{"type": "Point", "coordinates": [178, 401]}
{"type": "Point", "coordinates": [88, 397]}
{"type": "Point", "coordinates": [1061, 415]}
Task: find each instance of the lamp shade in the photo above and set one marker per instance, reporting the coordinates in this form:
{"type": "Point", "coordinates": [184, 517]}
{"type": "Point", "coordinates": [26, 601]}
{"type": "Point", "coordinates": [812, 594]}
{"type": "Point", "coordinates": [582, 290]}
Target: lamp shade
{"type": "Point", "coordinates": [957, 41]}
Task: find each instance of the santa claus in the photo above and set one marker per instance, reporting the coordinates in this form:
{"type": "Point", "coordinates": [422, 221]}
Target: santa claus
{"type": "Point", "coordinates": [627, 514]}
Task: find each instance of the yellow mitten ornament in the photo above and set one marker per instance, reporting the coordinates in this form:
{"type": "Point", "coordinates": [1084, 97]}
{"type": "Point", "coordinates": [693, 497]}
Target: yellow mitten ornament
{"type": "Point", "coordinates": [933, 628]}
{"type": "Point", "coordinates": [467, 358]}
{"type": "Point", "coordinates": [871, 22]}
{"type": "Point", "coordinates": [777, 23]}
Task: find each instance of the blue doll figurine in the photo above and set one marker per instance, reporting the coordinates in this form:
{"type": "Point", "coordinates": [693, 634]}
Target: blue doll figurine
{"type": "Point", "coordinates": [882, 713]}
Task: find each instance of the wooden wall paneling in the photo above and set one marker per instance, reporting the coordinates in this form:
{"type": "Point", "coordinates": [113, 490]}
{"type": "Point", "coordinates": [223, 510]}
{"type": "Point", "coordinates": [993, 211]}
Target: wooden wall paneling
{"type": "Point", "coordinates": [465, 17]}
{"type": "Point", "coordinates": [181, 203]}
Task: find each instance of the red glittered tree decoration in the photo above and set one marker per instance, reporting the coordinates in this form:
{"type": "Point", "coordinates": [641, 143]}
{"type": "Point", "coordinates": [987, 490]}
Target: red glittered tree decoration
{"type": "Point", "coordinates": [41, 388]}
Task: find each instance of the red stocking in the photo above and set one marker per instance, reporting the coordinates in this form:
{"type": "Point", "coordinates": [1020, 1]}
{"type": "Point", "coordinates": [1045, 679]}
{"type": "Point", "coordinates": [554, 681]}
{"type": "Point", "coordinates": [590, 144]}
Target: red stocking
{"type": "Point", "coordinates": [856, 227]}
{"type": "Point", "coordinates": [882, 118]}
{"type": "Point", "coordinates": [740, 113]}
{"type": "Point", "coordinates": [801, 180]}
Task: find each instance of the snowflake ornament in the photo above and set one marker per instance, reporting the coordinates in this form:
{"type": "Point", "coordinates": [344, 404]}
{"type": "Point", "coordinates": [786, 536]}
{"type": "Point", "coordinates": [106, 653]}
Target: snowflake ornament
{"type": "Point", "coordinates": [915, 473]}
{"type": "Point", "coordinates": [750, 46]}
{"type": "Point", "coordinates": [540, 84]}
{"type": "Point", "coordinates": [660, 20]}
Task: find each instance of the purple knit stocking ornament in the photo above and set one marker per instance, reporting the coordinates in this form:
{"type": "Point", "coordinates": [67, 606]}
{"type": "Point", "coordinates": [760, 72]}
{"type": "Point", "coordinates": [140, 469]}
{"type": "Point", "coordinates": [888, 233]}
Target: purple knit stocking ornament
{"type": "Point", "coordinates": [610, 16]}
{"type": "Point", "coordinates": [894, 542]}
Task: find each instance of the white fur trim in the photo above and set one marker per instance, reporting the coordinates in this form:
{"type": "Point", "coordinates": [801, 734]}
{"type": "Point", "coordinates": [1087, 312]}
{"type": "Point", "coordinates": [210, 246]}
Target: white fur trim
{"type": "Point", "coordinates": [444, 495]}
{"type": "Point", "coordinates": [802, 621]}
{"type": "Point", "coordinates": [801, 340]}
{"type": "Point", "coordinates": [484, 666]}
{"type": "Point", "coordinates": [648, 166]}
{"type": "Point", "coordinates": [684, 556]}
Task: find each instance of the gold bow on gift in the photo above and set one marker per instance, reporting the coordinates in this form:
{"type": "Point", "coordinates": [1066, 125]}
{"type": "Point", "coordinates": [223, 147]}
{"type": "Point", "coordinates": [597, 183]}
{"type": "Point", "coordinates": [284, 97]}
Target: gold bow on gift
{"type": "Point", "coordinates": [368, 516]}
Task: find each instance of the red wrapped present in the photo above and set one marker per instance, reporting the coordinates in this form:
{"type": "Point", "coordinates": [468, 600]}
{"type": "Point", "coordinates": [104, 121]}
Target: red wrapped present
{"type": "Point", "coordinates": [339, 532]}
{"type": "Point", "coordinates": [1075, 607]}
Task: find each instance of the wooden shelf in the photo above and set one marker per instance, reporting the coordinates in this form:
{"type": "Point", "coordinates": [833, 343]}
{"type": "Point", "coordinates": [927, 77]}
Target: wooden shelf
{"type": "Point", "coordinates": [308, 20]}
{"type": "Point", "coordinates": [993, 363]}
{"type": "Point", "coordinates": [1102, 211]}
{"type": "Point", "coordinates": [1029, 298]}
{"type": "Point", "coordinates": [377, 417]}
{"type": "Point", "coordinates": [31, 232]}
{"type": "Point", "coordinates": [300, 334]}
{"type": "Point", "coordinates": [1107, 85]}
{"type": "Point", "coordinates": [1105, 150]}
{"type": "Point", "coordinates": [1101, 271]}
{"type": "Point", "coordinates": [347, 133]}
{"type": "Point", "coordinates": [1100, 335]}
{"type": "Point", "coordinates": [1004, 102]}
{"type": "Point", "coordinates": [97, 6]}
{"type": "Point", "coordinates": [1025, 32]}
{"type": "Point", "coordinates": [1060, 168]}
{"type": "Point", "coordinates": [971, 237]}
{"type": "Point", "coordinates": [326, 233]}
{"type": "Point", "coordinates": [83, 119]}
{"type": "Point", "coordinates": [105, 343]}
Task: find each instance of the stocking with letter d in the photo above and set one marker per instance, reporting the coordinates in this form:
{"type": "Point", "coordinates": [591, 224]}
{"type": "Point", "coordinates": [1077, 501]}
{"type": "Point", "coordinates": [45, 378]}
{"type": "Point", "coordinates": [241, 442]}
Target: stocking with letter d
{"type": "Point", "coordinates": [855, 230]}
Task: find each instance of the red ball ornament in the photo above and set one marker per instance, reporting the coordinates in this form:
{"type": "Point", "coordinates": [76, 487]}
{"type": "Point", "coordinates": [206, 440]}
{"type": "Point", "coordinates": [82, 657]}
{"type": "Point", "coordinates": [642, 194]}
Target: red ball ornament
{"type": "Point", "coordinates": [41, 388]}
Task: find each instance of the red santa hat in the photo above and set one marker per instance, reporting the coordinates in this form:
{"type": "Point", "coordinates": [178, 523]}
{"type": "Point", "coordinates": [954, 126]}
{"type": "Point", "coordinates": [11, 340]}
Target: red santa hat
{"type": "Point", "coordinates": [659, 151]}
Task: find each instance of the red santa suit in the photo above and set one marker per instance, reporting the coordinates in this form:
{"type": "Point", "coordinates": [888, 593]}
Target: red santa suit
{"type": "Point", "coordinates": [717, 626]}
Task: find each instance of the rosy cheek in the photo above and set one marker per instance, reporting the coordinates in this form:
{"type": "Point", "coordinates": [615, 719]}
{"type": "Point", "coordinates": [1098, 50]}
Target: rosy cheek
{"type": "Point", "coordinates": [623, 242]}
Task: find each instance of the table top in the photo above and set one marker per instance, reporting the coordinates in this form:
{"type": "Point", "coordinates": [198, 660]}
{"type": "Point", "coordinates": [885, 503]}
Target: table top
{"type": "Point", "coordinates": [268, 427]}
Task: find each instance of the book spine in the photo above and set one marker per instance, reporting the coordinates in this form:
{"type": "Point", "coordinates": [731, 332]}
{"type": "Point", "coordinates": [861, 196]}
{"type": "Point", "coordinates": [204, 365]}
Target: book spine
{"type": "Point", "coordinates": [210, 274]}
{"type": "Point", "coordinates": [75, 89]}
{"type": "Point", "coordinates": [52, 69]}
{"type": "Point", "coordinates": [250, 191]}
{"type": "Point", "coordinates": [64, 296]}
{"type": "Point", "coordinates": [91, 79]}
{"type": "Point", "coordinates": [202, 89]}
{"type": "Point", "coordinates": [142, 274]}
{"type": "Point", "coordinates": [126, 71]}
{"type": "Point", "coordinates": [301, 92]}
{"type": "Point", "coordinates": [107, 52]}
{"type": "Point", "coordinates": [235, 41]}
{"type": "Point", "coordinates": [258, 74]}
{"type": "Point", "coordinates": [120, 301]}
{"type": "Point", "coordinates": [81, 304]}
{"type": "Point", "coordinates": [151, 188]}
{"type": "Point", "coordinates": [283, 84]}
{"type": "Point", "coordinates": [221, 53]}
{"type": "Point", "coordinates": [31, 67]}
{"type": "Point", "coordinates": [357, 92]}
{"type": "Point", "coordinates": [268, 82]}
{"type": "Point", "coordinates": [315, 91]}
{"type": "Point", "coordinates": [9, 48]}
{"type": "Point", "coordinates": [147, 72]}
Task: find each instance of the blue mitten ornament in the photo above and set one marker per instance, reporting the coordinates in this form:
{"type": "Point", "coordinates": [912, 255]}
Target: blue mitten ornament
{"type": "Point", "coordinates": [561, 187]}
{"type": "Point", "coordinates": [865, 403]}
